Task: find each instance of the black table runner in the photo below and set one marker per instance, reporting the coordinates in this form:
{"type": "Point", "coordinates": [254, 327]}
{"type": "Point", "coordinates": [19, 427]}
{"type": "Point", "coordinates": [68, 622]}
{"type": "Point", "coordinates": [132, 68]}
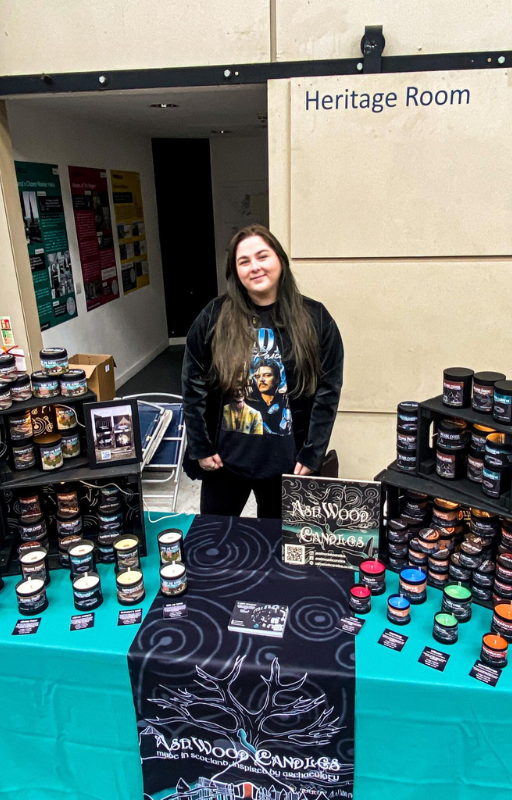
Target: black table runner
{"type": "Point", "coordinates": [235, 715]}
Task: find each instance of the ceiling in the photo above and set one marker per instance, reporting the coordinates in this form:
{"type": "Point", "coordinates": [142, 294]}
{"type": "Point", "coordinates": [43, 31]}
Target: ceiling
{"type": "Point", "coordinates": [200, 110]}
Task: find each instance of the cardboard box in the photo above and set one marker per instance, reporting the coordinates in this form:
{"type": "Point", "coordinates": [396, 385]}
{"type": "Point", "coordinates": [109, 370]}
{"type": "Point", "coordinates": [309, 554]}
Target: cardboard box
{"type": "Point", "coordinates": [99, 371]}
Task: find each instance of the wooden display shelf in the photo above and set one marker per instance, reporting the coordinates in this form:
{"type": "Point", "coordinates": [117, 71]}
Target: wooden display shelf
{"type": "Point", "coordinates": [75, 469]}
{"type": "Point", "coordinates": [60, 400]}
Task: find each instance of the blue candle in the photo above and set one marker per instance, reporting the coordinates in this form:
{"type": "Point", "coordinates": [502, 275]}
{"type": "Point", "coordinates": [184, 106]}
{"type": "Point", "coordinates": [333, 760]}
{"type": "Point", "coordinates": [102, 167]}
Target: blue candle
{"type": "Point", "coordinates": [399, 609]}
{"type": "Point", "coordinates": [413, 575]}
{"type": "Point", "coordinates": [398, 601]}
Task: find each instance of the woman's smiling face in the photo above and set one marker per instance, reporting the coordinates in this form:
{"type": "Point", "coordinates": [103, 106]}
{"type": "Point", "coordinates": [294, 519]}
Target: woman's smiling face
{"type": "Point", "coordinates": [259, 269]}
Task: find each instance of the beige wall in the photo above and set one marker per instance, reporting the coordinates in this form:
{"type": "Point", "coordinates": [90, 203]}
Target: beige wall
{"type": "Point", "coordinates": [87, 35]}
{"type": "Point", "coordinates": [402, 319]}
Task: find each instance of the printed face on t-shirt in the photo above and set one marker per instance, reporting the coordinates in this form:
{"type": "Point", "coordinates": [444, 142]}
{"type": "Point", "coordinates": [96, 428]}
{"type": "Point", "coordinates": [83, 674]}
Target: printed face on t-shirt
{"type": "Point", "coordinates": [265, 381]}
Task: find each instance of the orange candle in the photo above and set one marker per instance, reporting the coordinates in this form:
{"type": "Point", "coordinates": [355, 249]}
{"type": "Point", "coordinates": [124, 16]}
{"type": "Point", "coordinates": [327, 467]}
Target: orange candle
{"type": "Point", "coordinates": [502, 621]}
{"type": "Point", "coordinates": [494, 650]}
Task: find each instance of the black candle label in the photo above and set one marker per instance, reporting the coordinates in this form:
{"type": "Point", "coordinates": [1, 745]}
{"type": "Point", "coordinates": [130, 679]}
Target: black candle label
{"type": "Point", "coordinates": [350, 625]}
{"type": "Point", "coordinates": [488, 675]}
{"type": "Point", "coordinates": [81, 621]}
{"type": "Point", "coordinates": [434, 658]}
{"type": "Point", "coordinates": [395, 641]}
{"type": "Point", "coordinates": [130, 616]}
{"type": "Point", "coordinates": [24, 626]}
{"type": "Point", "coordinates": [175, 611]}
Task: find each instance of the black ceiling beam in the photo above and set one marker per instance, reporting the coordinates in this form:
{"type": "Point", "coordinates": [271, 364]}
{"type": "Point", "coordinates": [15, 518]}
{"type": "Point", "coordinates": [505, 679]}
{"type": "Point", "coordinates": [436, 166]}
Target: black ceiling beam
{"type": "Point", "coordinates": [240, 74]}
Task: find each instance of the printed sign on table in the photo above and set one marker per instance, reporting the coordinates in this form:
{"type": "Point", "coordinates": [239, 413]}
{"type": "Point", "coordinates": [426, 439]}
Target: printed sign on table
{"type": "Point", "coordinates": [131, 229]}
{"type": "Point", "coordinates": [94, 232]}
{"type": "Point", "coordinates": [329, 522]}
{"type": "Point", "coordinates": [47, 242]}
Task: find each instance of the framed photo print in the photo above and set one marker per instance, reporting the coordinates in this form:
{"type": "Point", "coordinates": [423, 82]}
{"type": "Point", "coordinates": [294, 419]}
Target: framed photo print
{"type": "Point", "coordinates": [113, 433]}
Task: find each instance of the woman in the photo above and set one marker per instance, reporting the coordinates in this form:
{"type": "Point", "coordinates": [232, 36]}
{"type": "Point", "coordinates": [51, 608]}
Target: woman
{"type": "Point", "coordinates": [262, 377]}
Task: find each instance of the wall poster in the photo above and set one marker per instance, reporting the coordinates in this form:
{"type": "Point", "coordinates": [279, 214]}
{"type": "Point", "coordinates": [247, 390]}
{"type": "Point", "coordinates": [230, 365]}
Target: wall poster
{"type": "Point", "coordinates": [47, 241]}
{"type": "Point", "coordinates": [93, 221]}
{"type": "Point", "coordinates": [131, 230]}
{"type": "Point", "coordinates": [329, 522]}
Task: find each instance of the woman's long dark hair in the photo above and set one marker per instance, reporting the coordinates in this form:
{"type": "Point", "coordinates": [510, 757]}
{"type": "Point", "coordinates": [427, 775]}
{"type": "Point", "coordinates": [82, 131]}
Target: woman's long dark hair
{"type": "Point", "coordinates": [233, 337]}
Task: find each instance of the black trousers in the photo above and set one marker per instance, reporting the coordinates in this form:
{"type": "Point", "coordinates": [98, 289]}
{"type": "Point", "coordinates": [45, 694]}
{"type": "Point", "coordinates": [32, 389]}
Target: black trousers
{"type": "Point", "coordinates": [226, 493]}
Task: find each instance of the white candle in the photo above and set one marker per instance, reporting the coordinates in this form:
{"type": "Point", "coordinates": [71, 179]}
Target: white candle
{"type": "Point", "coordinates": [126, 544]}
{"type": "Point", "coordinates": [81, 550]}
{"type": "Point", "coordinates": [169, 538]}
{"type": "Point", "coordinates": [30, 586]}
{"type": "Point", "coordinates": [129, 577]}
{"type": "Point", "coordinates": [86, 582]}
{"type": "Point", "coordinates": [175, 570]}
{"type": "Point", "coordinates": [32, 556]}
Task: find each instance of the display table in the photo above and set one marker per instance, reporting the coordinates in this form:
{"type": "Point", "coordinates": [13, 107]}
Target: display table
{"type": "Point", "coordinates": [68, 726]}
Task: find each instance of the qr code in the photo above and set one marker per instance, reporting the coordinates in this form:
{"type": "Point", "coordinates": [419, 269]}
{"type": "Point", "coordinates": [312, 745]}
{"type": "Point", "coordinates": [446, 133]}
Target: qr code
{"type": "Point", "coordinates": [294, 554]}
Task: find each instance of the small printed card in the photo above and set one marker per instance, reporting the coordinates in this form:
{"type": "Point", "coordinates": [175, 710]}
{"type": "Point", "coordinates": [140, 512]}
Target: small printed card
{"type": "Point", "coordinates": [258, 618]}
{"type": "Point", "coordinates": [130, 616]}
{"type": "Point", "coordinates": [175, 611]}
{"type": "Point", "coordinates": [434, 658]}
{"type": "Point", "coordinates": [81, 621]}
{"type": "Point", "coordinates": [488, 675]}
{"type": "Point", "coordinates": [25, 626]}
{"type": "Point", "coordinates": [393, 640]}
{"type": "Point", "coordinates": [350, 625]}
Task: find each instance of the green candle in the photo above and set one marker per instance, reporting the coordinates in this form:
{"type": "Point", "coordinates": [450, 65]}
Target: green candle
{"type": "Point", "coordinates": [457, 592]}
{"type": "Point", "coordinates": [448, 620]}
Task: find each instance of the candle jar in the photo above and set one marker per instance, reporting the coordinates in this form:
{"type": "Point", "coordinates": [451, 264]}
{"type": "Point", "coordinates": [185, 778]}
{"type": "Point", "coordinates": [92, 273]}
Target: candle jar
{"type": "Point", "coordinates": [23, 455]}
{"type": "Point", "coordinates": [406, 439]}
{"type": "Point", "coordinates": [449, 463]}
{"type": "Point", "coordinates": [457, 383]}
{"type": "Point", "coordinates": [45, 386]}
{"type": "Point", "coordinates": [81, 557]}
{"type": "Point", "coordinates": [503, 588]}
{"type": "Point", "coordinates": [495, 480]}
{"type": "Point", "coordinates": [87, 591]}
{"type": "Point", "coordinates": [130, 587]}
{"type": "Point", "coordinates": [7, 366]}
{"type": "Point", "coordinates": [398, 550]}
{"type": "Point", "coordinates": [405, 460]}
{"type": "Point", "coordinates": [54, 360]}
{"type": "Point", "coordinates": [73, 383]}
{"type": "Point", "coordinates": [413, 585]}
{"type": "Point", "coordinates": [173, 579]}
{"type": "Point", "coordinates": [428, 540]}
{"type": "Point", "coordinates": [399, 609]}
{"type": "Point", "coordinates": [479, 434]}
{"type": "Point", "coordinates": [49, 449]}
{"type": "Point", "coordinates": [483, 390]}
{"type": "Point", "coordinates": [70, 444]}
{"type": "Point", "coordinates": [5, 394]}
{"type": "Point", "coordinates": [484, 523]}
{"type": "Point", "coordinates": [504, 567]}
{"type": "Point", "coordinates": [506, 536]}
{"type": "Point", "coordinates": [33, 531]}
{"type": "Point", "coordinates": [65, 418]}
{"type": "Point", "coordinates": [457, 601]}
{"type": "Point", "coordinates": [64, 545]}
{"type": "Point", "coordinates": [34, 564]}
{"type": "Point", "coordinates": [398, 536]}
{"type": "Point", "coordinates": [360, 598]}
{"type": "Point", "coordinates": [475, 466]}
{"type": "Point", "coordinates": [20, 427]}
{"type": "Point", "coordinates": [494, 650]}
{"type": "Point", "coordinates": [481, 593]}
{"type": "Point", "coordinates": [31, 596]}
{"type": "Point", "coordinates": [20, 388]}
{"type": "Point", "coordinates": [498, 450]}
{"type": "Point", "coordinates": [446, 628]}
{"type": "Point", "coordinates": [110, 499]}
{"type": "Point", "coordinates": [67, 502]}
{"type": "Point", "coordinates": [502, 408]}
{"type": "Point", "coordinates": [170, 544]}
{"type": "Point", "coordinates": [470, 554]}
{"type": "Point", "coordinates": [502, 621]}
{"type": "Point", "coordinates": [30, 507]}
{"type": "Point", "coordinates": [126, 551]}
{"type": "Point", "coordinates": [110, 521]}
{"type": "Point", "coordinates": [407, 415]}
{"type": "Point", "coordinates": [372, 573]}
{"type": "Point", "coordinates": [69, 526]}
{"type": "Point", "coordinates": [106, 541]}
{"type": "Point", "coordinates": [451, 435]}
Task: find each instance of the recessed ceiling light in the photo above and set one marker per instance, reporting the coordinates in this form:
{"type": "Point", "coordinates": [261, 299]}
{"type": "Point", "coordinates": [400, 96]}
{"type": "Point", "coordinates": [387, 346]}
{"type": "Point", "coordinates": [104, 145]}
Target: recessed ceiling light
{"type": "Point", "coordinates": [221, 131]}
{"type": "Point", "coordinates": [163, 105]}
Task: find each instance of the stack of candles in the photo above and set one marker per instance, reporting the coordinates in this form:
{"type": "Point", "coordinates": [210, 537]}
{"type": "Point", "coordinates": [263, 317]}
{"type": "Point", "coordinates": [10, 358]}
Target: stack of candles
{"type": "Point", "coordinates": [173, 573]}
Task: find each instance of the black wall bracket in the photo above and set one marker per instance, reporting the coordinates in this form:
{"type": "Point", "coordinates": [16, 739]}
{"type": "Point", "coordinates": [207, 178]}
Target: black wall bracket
{"type": "Point", "coordinates": [372, 45]}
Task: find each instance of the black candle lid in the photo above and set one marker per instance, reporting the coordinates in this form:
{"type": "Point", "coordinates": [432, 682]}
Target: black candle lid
{"type": "Point", "coordinates": [503, 387]}
{"type": "Point", "coordinates": [43, 377]}
{"type": "Point", "coordinates": [7, 360]}
{"type": "Point", "coordinates": [21, 380]}
{"type": "Point", "coordinates": [53, 353]}
{"type": "Point", "coordinates": [488, 378]}
{"type": "Point", "coordinates": [458, 373]}
{"type": "Point", "coordinates": [73, 375]}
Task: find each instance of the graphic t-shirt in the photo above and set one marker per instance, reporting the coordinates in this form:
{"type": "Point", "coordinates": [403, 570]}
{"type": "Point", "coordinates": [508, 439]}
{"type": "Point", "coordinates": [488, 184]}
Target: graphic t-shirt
{"type": "Point", "coordinates": [256, 437]}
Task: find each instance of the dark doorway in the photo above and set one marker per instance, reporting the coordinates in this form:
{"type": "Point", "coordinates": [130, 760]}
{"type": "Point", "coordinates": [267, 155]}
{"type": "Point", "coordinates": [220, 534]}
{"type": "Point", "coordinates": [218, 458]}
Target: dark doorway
{"type": "Point", "coordinates": [183, 187]}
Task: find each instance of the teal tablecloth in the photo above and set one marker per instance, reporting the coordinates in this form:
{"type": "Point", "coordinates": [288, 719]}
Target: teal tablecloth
{"type": "Point", "coordinates": [67, 724]}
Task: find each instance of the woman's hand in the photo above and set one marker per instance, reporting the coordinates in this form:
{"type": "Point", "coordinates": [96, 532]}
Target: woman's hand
{"type": "Point", "coordinates": [300, 469]}
{"type": "Point", "coordinates": [211, 463]}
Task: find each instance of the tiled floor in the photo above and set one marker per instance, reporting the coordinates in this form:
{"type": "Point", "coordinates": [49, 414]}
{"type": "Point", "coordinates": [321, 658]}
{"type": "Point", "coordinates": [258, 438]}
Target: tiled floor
{"type": "Point", "coordinates": [163, 374]}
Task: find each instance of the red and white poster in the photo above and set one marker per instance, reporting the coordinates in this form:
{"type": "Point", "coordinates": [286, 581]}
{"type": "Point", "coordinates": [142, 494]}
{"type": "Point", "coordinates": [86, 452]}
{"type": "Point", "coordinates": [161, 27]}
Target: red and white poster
{"type": "Point", "coordinates": [93, 220]}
